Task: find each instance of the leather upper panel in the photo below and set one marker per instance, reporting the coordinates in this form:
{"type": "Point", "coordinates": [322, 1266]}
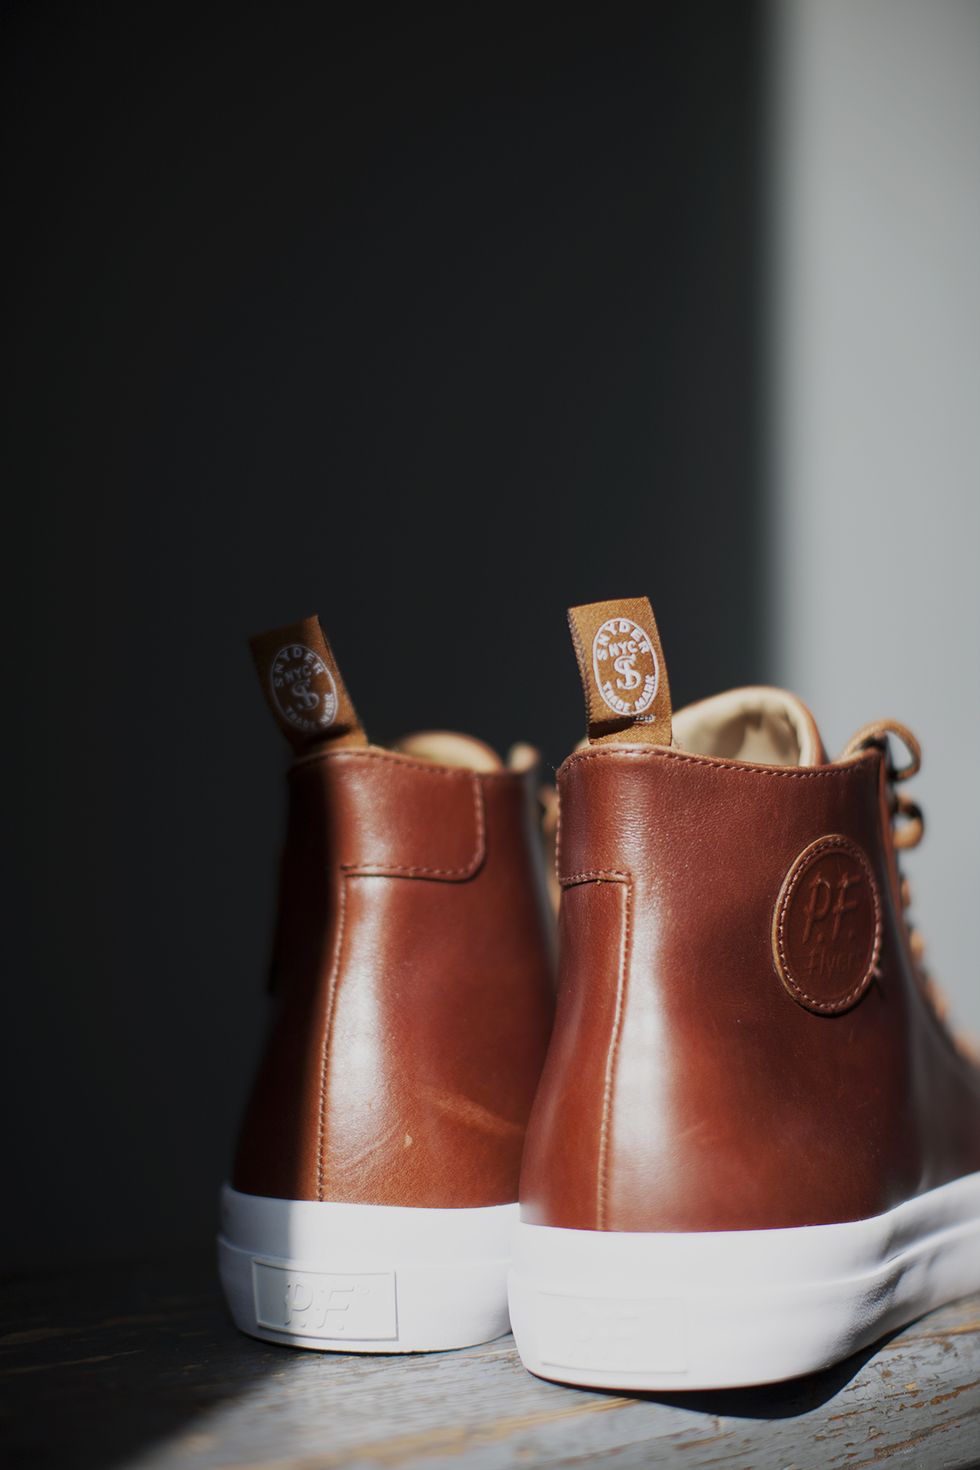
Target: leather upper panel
{"type": "Point", "coordinates": [390, 814]}
{"type": "Point", "coordinates": [413, 988]}
{"type": "Point", "coordinates": [725, 1103]}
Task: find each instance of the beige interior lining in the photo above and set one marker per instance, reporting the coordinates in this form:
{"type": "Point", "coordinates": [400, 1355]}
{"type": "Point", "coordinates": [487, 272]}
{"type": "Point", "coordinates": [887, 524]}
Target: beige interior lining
{"type": "Point", "coordinates": [523, 757]}
{"type": "Point", "coordinates": [758, 724]}
{"type": "Point", "coordinates": [449, 749]}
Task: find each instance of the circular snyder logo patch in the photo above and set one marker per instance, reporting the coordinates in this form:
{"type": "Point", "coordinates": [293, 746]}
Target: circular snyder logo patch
{"type": "Point", "coordinates": [826, 928]}
{"type": "Point", "coordinates": [303, 688]}
{"type": "Point", "coordinates": [625, 667]}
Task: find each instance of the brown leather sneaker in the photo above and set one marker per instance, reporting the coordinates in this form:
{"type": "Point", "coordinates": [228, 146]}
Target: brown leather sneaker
{"type": "Point", "coordinates": [374, 1189]}
{"type": "Point", "coordinates": [755, 1145]}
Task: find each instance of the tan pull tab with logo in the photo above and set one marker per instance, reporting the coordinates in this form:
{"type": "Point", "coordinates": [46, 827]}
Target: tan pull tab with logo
{"type": "Point", "coordinates": [627, 696]}
{"type": "Point", "coordinates": [303, 687]}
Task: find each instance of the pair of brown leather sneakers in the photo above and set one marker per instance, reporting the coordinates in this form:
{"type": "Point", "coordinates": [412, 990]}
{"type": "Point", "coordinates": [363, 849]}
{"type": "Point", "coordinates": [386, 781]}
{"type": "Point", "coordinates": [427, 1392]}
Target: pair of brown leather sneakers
{"type": "Point", "coordinates": [744, 1146]}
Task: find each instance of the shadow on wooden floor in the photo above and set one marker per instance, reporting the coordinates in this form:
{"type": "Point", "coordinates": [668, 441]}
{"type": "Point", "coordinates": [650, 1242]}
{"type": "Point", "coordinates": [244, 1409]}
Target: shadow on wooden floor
{"type": "Point", "coordinates": [140, 1367]}
{"type": "Point", "coordinates": [96, 1367]}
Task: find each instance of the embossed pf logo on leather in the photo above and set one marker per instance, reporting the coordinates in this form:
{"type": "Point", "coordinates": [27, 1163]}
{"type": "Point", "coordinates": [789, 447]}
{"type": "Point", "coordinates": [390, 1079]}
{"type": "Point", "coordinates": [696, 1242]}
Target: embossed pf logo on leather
{"type": "Point", "coordinates": [303, 688]}
{"type": "Point", "coordinates": [625, 667]}
{"type": "Point", "coordinates": [826, 929]}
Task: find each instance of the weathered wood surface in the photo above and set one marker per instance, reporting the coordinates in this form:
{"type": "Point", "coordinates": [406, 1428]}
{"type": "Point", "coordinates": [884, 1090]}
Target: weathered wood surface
{"type": "Point", "coordinates": [140, 1368]}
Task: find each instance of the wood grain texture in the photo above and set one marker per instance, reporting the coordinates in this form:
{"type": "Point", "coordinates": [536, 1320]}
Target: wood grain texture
{"type": "Point", "coordinates": [139, 1368]}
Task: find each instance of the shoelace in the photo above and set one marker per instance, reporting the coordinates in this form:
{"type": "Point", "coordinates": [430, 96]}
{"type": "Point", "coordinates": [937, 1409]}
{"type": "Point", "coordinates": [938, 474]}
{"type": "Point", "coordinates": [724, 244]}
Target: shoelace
{"type": "Point", "coordinates": [908, 827]}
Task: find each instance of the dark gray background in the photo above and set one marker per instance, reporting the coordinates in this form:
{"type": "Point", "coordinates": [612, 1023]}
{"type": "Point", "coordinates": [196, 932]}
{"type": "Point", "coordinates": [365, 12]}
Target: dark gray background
{"type": "Point", "coordinates": [431, 323]}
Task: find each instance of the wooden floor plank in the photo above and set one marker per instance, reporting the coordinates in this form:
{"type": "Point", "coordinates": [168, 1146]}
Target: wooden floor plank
{"type": "Point", "coordinates": [140, 1368]}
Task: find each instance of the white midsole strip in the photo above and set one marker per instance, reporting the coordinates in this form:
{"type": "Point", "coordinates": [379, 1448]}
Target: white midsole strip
{"type": "Point", "coordinates": [727, 1308]}
{"type": "Point", "coordinates": [365, 1278]}
{"type": "Point", "coordinates": [301, 1228]}
{"type": "Point", "coordinates": [795, 1255]}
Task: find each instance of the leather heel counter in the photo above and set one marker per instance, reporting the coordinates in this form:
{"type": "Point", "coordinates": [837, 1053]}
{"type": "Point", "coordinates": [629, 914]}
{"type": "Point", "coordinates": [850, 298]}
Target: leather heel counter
{"type": "Point", "coordinates": [710, 1049]}
{"type": "Point", "coordinates": [415, 1005]}
{"type": "Point", "coordinates": [437, 1045]}
{"type": "Point", "coordinates": [566, 1153]}
{"type": "Point", "coordinates": [276, 1153]}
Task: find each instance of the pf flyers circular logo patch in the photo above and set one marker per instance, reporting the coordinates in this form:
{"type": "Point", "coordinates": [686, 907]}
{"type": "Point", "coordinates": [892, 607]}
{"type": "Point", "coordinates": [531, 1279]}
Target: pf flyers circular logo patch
{"type": "Point", "coordinates": [303, 689]}
{"type": "Point", "coordinates": [625, 667]}
{"type": "Point", "coordinates": [826, 928]}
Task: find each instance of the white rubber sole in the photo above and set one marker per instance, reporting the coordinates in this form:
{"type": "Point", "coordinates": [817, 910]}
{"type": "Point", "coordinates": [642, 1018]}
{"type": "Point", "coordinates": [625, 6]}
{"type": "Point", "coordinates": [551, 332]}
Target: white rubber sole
{"type": "Point", "coordinates": [364, 1278]}
{"type": "Point", "coordinates": [733, 1308]}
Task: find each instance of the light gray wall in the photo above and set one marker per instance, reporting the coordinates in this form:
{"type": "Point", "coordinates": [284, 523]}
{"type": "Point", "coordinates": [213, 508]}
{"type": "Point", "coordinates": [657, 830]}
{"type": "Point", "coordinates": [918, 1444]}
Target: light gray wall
{"type": "Point", "coordinates": [876, 407]}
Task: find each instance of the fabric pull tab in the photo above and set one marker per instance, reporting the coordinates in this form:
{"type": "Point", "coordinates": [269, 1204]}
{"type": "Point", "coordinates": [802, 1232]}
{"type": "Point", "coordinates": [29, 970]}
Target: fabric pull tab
{"type": "Point", "coordinates": [621, 663]}
{"type": "Point", "coordinates": [303, 687]}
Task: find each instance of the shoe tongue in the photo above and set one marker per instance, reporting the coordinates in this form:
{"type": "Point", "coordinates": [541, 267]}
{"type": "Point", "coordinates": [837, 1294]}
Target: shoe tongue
{"type": "Point", "coordinates": [303, 687]}
{"type": "Point", "coordinates": [624, 677]}
{"type": "Point", "coordinates": [766, 726]}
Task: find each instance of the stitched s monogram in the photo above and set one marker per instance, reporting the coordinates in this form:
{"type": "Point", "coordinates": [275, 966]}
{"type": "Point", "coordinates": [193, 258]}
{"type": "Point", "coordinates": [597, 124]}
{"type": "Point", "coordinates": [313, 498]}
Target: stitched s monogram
{"type": "Point", "coordinates": [625, 666]}
{"type": "Point", "coordinates": [303, 688]}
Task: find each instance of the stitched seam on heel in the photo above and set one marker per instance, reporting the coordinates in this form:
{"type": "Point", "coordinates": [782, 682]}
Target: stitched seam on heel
{"type": "Point", "coordinates": [602, 1180]}
{"type": "Point", "coordinates": [328, 1019]}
